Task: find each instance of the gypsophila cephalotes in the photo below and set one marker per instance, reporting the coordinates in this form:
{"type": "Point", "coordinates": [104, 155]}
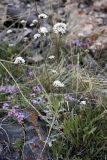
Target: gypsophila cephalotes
{"type": "Point", "coordinates": [83, 102]}
{"type": "Point", "coordinates": [36, 36]}
{"type": "Point", "coordinates": [51, 57]}
{"type": "Point", "coordinates": [43, 15]}
{"type": "Point", "coordinates": [35, 21]}
{"type": "Point", "coordinates": [19, 60]}
{"type": "Point", "coordinates": [57, 83]}
{"type": "Point", "coordinates": [43, 30]}
{"type": "Point", "coordinates": [60, 28]}
{"type": "Point", "coordinates": [32, 24]}
{"type": "Point", "coordinates": [23, 21]}
{"type": "Point", "coordinates": [53, 71]}
{"type": "Point", "coordinates": [9, 31]}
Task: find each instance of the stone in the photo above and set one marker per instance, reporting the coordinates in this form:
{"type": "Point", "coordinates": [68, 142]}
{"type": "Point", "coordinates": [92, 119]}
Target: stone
{"type": "Point", "coordinates": [12, 135]}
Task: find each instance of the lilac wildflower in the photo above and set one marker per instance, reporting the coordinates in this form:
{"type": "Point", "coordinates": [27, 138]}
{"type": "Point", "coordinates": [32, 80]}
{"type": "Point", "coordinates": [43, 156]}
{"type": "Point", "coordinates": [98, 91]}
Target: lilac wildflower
{"type": "Point", "coordinates": [19, 116]}
{"type": "Point", "coordinates": [5, 105]}
{"type": "Point", "coordinates": [37, 88]}
{"type": "Point", "coordinates": [12, 112]}
{"type": "Point", "coordinates": [8, 89]}
{"type": "Point", "coordinates": [102, 77]}
{"type": "Point", "coordinates": [105, 65]}
{"type": "Point", "coordinates": [69, 98]}
{"type": "Point", "coordinates": [99, 75]}
{"type": "Point", "coordinates": [30, 73]}
{"type": "Point", "coordinates": [77, 43]}
{"type": "Point", "coordinates": [16, 114]}
{"type": "Point", "coordinates": [34, 101]}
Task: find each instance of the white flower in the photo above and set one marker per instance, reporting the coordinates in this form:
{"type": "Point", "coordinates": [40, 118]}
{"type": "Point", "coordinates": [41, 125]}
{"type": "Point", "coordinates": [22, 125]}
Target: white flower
{"type": "Point", "coordinates": [11, 44]}
{"type": "Point", "coordinates": [9, 31]}
{"type": "Point", "coordinates": [19, 60]}
{"type": "Point", "coordinates": [23, 21]}
{"type": "Point", "coordinates": [83, 102]}
{"type": "Point", "coordinates": [57, 83]}
{"type": "Point", "coordinates": [25, 28]}
{"type": "Point", "coordinates": [51, 57]}
{"type": "Point", "coordinates": [36, 36]}
{"type": "Point", "coordinates": [60, 28]}
{"type": "Point", "coordinates": [35, 21]}
{"type": "Point", "coordinates": [32, 24]}
{"type": "Point", "coordinates": [43, 15]}
{"type": "Point", "coordinates": [53, 71]}
{"type": "Point", "coordinates": [43, 30]}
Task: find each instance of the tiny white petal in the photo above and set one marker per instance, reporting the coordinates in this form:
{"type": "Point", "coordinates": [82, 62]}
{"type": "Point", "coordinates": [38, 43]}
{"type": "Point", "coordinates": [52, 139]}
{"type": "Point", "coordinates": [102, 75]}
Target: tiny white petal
{"type": "Point", "coordinates": [25, 28]}
{"type": "Point", "coordinates": [53, 71]}
{"type": "Point", "coordinates": [32, 24]}
{"type": "Point", "coordinates": [9, 31]}
{"type": "Point", "coordinates": [57, 83]}
{"type": "Point", "coordinates": [83, 102]}
{"type": "Point", "coordinates": [35, 21]}
{"type": "Point", "coordinates": [51, 57]}
{"type": "Point", "coordinates": [37, 35]}
{"type": "Point", "coordinates": [43, 30]}
{"type": "Point", "coordinates": [19, 60]}
{"type": "Point", "coordinates": [43, 15]}
{"type": "Point", "coordinates": [60, 28]}
{"type": "Point", "coordinates": [23, 21]}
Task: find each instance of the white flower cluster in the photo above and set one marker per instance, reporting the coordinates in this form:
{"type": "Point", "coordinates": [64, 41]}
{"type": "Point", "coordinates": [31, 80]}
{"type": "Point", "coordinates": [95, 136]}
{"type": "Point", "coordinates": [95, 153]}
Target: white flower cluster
{"type": "Point", "coordinates": [83, 102]}
{"type": "Point", "coordinates": [33, 22]}
{"type": "Point", "coordinates": [43, 16]}
{"type": "Point", "coordinates": [9, 31]}
{"type": "Point", "coordinates": [36, 36]}
{"type": "Point", "coordinates": [19, 60]}
{"type": "Point", "coordinates": [43, 30]}
{"type": "Point", "coordinates": [23, 21]}
{"type": "Point", "coordinates": [57, 83]}
{"type": "Point", "coordinates": [51, 57]}
{"type": "Point", "coordinates": [60, 28]}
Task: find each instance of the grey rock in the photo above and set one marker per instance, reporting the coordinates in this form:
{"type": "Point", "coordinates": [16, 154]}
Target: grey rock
{"type": "Point", "coordinates": [13, 12]}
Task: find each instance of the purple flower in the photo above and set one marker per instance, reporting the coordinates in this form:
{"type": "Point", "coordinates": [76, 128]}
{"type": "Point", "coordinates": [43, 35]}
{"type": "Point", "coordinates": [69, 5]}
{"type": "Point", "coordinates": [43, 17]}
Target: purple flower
{"type": "Point", "coordinates": [12, 112]}
{"type": "Point", "coordinates": [34, 101]}
{"type": "Point", "coordinates": [105, 65]}
{"type": "Point", "coordinates": [99, 75]}
{"type": "Point", "coordinates": [19, 116]}
{"type": "Point", "coordinates": [5, 105]}
{"type": "Point", "coordinates": [102, 77]}
{"type": "Point", "coordinates": [37, 88]}
{"type": "Point", "coordinates": [77, 43]}
{"type": "Point", "coordinates": [8, 89]}
{"type": "Point", "coordinates": [16, 114]}
{"type": "Point", "coordinates": [2, 89]}
{"type": "Point", "coordinates": [69, 98]}
{"type": "Point", "coordinates": [30, 73]}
